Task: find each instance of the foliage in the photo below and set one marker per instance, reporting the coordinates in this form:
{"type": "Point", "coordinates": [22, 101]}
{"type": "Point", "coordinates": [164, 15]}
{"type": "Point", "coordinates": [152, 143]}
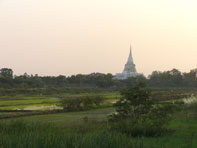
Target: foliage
{"type": "Point", "coordinates": [81, 103]}
{"type": "Point", "coordinates": [20, 134]}
{"type": "Point", "coordinates": [133, 80]}
{"type": "Point", "coordinates": [137, 115]}
{"type": "Point", "coordinates": [92, 134]}
{"type": "Point", "coordinates": [6, 72]}
{"type": "Point", "coordinates": [34, 81]}
{"type": "Point", "coordinates": [170, 95]}
{"type": "Point", "coordinates": [171, 78]}
{"type": "Point", "coordinates": [58, 91]}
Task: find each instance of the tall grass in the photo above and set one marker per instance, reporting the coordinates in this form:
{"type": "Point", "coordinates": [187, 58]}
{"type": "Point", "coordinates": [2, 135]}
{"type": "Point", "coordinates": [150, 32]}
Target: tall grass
{"type": "Point", "coordinates": [95, 134]}
{"type": "Point", "coordinates": [18, 134]}
{"type": "Point", "coordinates": [22, 134]}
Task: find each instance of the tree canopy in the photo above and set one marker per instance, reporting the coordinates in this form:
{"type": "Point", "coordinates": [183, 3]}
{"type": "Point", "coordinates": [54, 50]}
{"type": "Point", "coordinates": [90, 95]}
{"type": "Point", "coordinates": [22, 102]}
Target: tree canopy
{"type": "Point", "coordinates": [171, 78]}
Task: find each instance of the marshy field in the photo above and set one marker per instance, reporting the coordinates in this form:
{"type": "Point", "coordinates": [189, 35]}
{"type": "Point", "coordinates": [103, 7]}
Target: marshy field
{"type": "Point", "coordinates": [41, 121]}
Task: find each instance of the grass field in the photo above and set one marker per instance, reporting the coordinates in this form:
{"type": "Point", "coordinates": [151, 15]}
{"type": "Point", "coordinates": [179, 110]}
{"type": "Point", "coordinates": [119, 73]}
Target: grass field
{"type": "Point", "coordinates": [86, 129]}
{"type": "Point", "coordinates": [89, 127]}
{"type": "Point", "coordinates": [21, 102]}
{"type": "Point", "coordinates": [62, 119]}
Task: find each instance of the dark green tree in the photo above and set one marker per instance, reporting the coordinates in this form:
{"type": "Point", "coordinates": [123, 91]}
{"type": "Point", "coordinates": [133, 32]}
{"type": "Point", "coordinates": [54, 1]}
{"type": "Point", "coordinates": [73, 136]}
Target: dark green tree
{"type": "Point", "coordinates": [190, 79]}
{"type": "Point", "coordinates": [137, 115]}
{"type": "Point", "coordinates": [6, 72]}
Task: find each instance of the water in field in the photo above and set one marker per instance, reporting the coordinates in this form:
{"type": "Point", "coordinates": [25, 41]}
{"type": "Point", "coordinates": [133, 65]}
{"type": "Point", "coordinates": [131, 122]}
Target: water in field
{"type": "Point", "coordinates": [42, 107]}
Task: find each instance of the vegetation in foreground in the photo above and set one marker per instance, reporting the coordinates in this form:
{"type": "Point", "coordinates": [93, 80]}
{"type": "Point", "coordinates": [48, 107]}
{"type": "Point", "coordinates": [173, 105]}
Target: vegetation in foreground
{"type": "Point", "coordinates": [93, 133]}
{"type": "Point", "coordinates": [137, 115]}
{"type": "Point", "coordinates": [89, 130]}
{"type": "Point", "coordinates": [150, 129]}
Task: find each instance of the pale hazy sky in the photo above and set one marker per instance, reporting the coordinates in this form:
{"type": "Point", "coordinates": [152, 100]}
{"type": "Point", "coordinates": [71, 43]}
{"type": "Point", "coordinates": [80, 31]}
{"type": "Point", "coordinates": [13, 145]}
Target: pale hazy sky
{"type": "Point", "coordinates": [52, 37]}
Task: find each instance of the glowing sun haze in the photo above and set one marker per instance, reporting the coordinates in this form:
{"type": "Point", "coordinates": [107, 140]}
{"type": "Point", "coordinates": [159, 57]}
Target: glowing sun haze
{"type": "Point", "coordinates": [52, 37]}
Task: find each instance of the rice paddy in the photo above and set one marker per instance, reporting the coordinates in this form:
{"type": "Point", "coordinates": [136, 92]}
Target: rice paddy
{"type": "Point", "coordinates": [84, 128]}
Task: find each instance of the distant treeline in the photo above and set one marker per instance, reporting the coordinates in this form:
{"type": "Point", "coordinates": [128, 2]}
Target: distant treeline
{"type": "Point", "coordinates": [8, 80]}
{"type": "Point", "coordinates": [172, 78]}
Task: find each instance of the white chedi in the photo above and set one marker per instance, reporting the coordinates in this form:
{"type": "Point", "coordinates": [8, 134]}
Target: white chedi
{"type": "Point", "coordinates": [129, 69]}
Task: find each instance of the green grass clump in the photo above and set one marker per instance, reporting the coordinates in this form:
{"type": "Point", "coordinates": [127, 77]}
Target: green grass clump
{"type": "Point", "coordinates": [19, 134]}
{"type": "Point", "coordinates": [89, 129]}
{"type": "Point", "coordinates": [91, 134]}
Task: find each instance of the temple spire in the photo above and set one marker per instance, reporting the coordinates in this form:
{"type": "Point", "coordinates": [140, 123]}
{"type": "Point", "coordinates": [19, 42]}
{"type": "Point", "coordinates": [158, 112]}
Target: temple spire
{"type": "Point", "coordinates": [130, 58]}
{"type": "Point", "coordinates": [129, 69]}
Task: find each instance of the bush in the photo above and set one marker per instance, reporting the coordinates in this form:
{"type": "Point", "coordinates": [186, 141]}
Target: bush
{"type": "Point", "coordinates": [98, 99]}
{"type": "Point", "coordinates": [71, 104]}
{"type": "Point", "coordinates": [81, 103]}
{"type": "Point", "coordinates": [87, 102]}
{"type": "Point", "coordinates": [137, 115]}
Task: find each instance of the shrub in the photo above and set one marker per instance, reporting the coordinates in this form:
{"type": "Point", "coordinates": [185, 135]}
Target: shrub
{"type": "Point", "coordinates": [81, 103]}
{"type": "Point", "coordinates": [71, 104]}
{"type": "Point", "coordinates": [87, 102]}
{"type": "Point", "coordinates": [98, 99]}
{"type": "Point", "coordinates": [137, 115]}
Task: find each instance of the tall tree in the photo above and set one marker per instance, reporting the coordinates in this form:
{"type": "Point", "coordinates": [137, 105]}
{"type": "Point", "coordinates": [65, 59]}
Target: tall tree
{"type": "Point", "coordinates": [6, 72]}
